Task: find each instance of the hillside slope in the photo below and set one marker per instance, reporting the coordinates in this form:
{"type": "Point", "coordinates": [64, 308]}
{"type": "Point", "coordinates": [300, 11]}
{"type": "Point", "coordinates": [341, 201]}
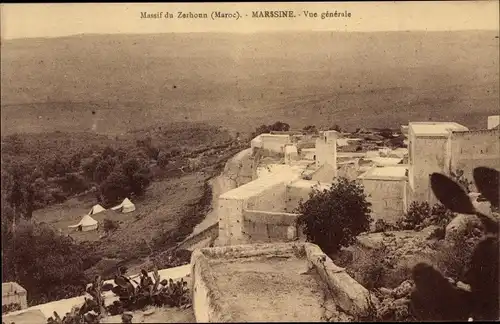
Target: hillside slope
{"type": "Point", "coordinates": [242, 81]}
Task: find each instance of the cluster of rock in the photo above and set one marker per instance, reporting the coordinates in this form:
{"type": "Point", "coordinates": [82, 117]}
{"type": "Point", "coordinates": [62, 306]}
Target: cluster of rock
{"type": "Point", "coordinates": [334, 314]}
{"type": "Point", "coordinates": [400, 245]}
{"type": "Point", "coordinates": [393, 304]}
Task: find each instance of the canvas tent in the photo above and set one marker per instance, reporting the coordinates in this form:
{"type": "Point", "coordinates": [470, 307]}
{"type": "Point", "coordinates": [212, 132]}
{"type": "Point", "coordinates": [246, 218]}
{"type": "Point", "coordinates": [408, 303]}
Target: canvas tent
{"type": "Point", "coordinates": [87, 224]}
{"type": "Point", "coordinates": [96, 209]}
{"type": "Point", "coordinates": [125, 207]}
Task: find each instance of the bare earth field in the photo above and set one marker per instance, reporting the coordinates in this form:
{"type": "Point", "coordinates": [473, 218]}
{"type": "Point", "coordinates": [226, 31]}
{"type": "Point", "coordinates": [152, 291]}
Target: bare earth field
{"type": "Point", "coordinates": [162, 208]}
{"type": "Point", "coordinates": [111, 84]}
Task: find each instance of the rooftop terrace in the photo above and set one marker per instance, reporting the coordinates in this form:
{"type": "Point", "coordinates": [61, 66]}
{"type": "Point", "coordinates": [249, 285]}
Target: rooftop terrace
{"type": "Point", "coordinates": [435, 128]}
{"type": "Point", "coordinates": [255, 187]}
{"type": "Point", "coordinates": [280, 282]}
{"type": "Point", "coordinates": [386, 173]}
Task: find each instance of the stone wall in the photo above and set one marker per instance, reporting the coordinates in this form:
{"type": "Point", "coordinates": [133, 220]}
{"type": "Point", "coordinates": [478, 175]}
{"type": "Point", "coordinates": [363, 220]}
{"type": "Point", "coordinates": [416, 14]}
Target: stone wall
{"type": "Point", "coordinates": [475, 148]}
{"type": "Point", "coordinates": [349, 295]}
{"type": "Point", "coordinates": [264, 226]}
{"type": "Point", "coordinates": [211, 232]}
{"type": "Point", "coordinates": [267, 193]}
{"type": "Point", "coordinates": [299, 190]}
{"type": "Point", "coordinates": [427, 155]}
{"type": "Point", "coordinates": [207, 304]}
{"type": "Point", "coordinates": [387, 198]}
{"type": "Point", "coordinates": [272, 198]}
{"type": "Point", "coordinates": [274, 143]}
{"type": "Point", "coordinates": [230, 213]}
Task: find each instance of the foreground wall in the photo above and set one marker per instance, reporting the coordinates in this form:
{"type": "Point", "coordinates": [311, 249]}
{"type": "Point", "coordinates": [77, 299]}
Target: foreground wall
{"type": "Point", "coordinates": [208, 306]}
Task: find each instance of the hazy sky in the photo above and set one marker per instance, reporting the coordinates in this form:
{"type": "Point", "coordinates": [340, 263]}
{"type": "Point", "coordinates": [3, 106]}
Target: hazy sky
{"type": "Point", "coordinates": [53, 20]}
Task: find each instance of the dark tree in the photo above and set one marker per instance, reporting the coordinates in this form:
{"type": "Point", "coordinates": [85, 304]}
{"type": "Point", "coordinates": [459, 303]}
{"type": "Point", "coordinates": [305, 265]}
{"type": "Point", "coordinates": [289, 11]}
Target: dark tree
{"type": "Point", "coordinates": [48, 265]}
{"type": "Point", "coordinates": [310, 129]}
{"type": "Point", "coordinates": [333, 218]}
{"type": "Point", "coordinates": [110, 225]}
{"type": "Point", "coordinates": [280, 127]}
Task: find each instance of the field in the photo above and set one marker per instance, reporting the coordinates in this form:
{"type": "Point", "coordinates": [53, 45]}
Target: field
{"type": "Point", "coordinates": [111, 84]}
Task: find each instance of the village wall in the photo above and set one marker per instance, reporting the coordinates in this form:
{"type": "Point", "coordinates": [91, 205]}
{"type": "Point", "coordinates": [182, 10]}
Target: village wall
{"type": "Point", "coordinates": [267, 194]}
{"type": "Point", "coordinates": [274, 143]}
{"type": "Point", "coordinates": [271, 199]}
{"type": "Point", "coordinates": [230, 213]}
{"type": "Point", "coordinates": [263, 226]}
{"type": "Point", "coordinates": [475, 148]}
{"type": "Point", "coordinates": [299, 190]}
{"type": "Point", "coordinates": [291, 153]}
{"type": "Point", "coordinates": [387, 197]}
{"type": "Point", "coordinates": [427, 155]}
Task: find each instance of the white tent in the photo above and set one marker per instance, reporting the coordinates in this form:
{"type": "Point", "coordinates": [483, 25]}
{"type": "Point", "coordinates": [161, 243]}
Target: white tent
{"type": "Point", "coordinates": [87, 224]}
{"type": "Point", "coordinates": [125, 207]}
{"type": "Point", "coordinates": [96, 209]}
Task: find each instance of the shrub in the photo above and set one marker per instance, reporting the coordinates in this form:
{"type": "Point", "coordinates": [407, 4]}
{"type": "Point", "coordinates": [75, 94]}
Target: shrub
{"type": "Point", "coordinates": [132, 177]}
{"type": "Point", "coordinates": [58, 195]}
{"type": "Point", "coordinates": [163, 159]}
{"type": "Point", "coordinates": [386, 133]}
{"type": "Point", "coordinates": [382, 226]}
{"type": "Point", "coordinates": [110, 225]}
{"type": "Point", "coordinates": [370, 267]}
{"type": "Point", "coordinates": [336, 128]}
{"type": "Point", "coordinates": [72, 183]}
{"type": "Point", "coordinates": [280, 127]}
{"type": "Point", "coordinates": [47, 265]}
{"type": "Point", "coordinates": [103, 169]}
{"type": "Point", "coordinates": [332, 218]}
{"type": "Point", "coordinates": [417, 212]}
{"type": "Point", "coordinates": [310, 129]}
{"type": "Point", "coordinates": [277, 127]}
{"type": "Point", "coordinates": [452, 260]}
{"type": "Point", "coordinates": [12, 307]}
{"type": "Point", "coordinates": [149, 292]}
{"type": "Point", "coordinates": [421, 214]}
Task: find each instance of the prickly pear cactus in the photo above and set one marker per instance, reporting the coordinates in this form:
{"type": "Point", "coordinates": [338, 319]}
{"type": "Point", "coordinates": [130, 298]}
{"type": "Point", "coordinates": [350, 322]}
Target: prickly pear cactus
{"type": "Point", "coordinates": [442, 302]}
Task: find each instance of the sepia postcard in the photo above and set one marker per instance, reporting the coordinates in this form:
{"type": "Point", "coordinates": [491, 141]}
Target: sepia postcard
{"type": "Point", "coordinates": [250, 162]}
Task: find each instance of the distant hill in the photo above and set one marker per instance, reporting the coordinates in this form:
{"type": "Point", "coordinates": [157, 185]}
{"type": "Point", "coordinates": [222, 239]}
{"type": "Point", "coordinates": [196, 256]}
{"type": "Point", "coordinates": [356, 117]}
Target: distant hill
{"type": "Point", "coordinates": [114, 83]}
